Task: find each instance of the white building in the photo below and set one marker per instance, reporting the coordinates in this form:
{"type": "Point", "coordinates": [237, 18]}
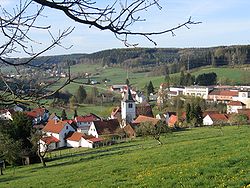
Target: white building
{"type": "Point", "coordinates": [59, 130]}
{"type": "Point", "coordinates": [128, 108]}
{"type": "Point", "coordinates": [5, 115]}
{"type": "Point", "coordinates": [197, 91]}
{"type": "Point", "coordinates": [77, 139]}
{"type": "Point", "coordinates": [234, 106]}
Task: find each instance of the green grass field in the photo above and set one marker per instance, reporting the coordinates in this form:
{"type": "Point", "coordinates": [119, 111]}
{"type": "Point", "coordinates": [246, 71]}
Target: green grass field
{"type": "Point", "coordinates": [198, 157]}
{"type": "Point", "coordinates": [237, 75]}
{"type": "Point", "coordinates": [139, 80]}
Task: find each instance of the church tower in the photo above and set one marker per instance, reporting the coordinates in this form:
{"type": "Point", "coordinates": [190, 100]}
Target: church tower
{"type": "Point", "coordinates": [128, 107]}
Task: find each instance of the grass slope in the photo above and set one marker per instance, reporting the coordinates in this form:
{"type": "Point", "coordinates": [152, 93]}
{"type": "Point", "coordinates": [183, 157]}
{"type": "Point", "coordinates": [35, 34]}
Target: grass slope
{"type": "Point", "coordinates": [200, 157]}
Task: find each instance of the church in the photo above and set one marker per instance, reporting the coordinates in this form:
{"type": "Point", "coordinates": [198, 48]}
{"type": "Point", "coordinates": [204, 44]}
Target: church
{"type": "Point", "coordinates": [129, 110]}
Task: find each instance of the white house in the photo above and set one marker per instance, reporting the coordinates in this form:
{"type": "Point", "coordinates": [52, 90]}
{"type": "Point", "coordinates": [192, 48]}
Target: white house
{"type": "Point", "coordinates": [59, 130]}
{"type": "Point", "coordinates": [48, 143]}
{"type": "Point", "coordinates": [234, 106]}
{"type": "Point", "coordinates": [215, 118]}
{"type": "Point", "coordinates": [5, 115]}
{"type": "Point", "coordinates": [38, 115]}
{"type": "Point", "coordinates": [83, 122]}
{"type": "Point", "coordinates": [76, 139]}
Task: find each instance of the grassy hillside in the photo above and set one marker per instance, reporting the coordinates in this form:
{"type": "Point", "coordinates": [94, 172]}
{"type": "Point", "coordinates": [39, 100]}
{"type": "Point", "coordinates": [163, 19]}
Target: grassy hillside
{"type": "Point", "coordinates": [200, 157]}
{"type": "Point", "coordinates": [235, 75]}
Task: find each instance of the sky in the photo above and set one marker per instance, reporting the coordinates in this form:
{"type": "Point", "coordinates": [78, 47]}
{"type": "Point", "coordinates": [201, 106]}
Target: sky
{"type": "Point", "coordinates": [224, 22]}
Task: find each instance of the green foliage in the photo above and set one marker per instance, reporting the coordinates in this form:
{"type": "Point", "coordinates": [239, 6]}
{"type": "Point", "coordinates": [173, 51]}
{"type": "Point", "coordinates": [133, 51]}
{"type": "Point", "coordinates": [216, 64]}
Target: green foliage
{"type": "Point", "coordinates": [75, 113]}
{"type": "Point", "coordinates": [188, 113]}
{"type": "Point", "coordinates": [238, 119]}
{"type": "Point", "coordinates": [81, 94]}
{"type": "Point", "coordinates": [149, 129]}
{"type": "Point", "coordinates": [206, 79]}
{"type": "Point", "coordinates": [64, 115]}
{"type": "Point", "coordinates": [127, 82]}
{"type": "Point", "coordinates": [15, 138]}
{"type": "Point", "coordinates": [150, 88]}
{"type": "Point", "coordinates": [192, 158]}
{"type": "Point", "coordinates": [186, 79]}
{"type": "Point", "coordinates": [10, 149]}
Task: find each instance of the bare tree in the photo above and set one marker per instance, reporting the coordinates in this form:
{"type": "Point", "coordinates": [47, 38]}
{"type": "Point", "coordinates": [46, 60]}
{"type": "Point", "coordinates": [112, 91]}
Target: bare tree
{"type": "Point", "coordinates": [117, 17]}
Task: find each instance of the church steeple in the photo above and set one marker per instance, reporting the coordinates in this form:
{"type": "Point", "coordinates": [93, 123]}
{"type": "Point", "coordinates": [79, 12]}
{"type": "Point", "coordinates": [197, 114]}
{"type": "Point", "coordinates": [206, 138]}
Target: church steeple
{"type": "Point", "coordinates": [128, 96]}
{"type": "Point", "coordinates": [128, 109]}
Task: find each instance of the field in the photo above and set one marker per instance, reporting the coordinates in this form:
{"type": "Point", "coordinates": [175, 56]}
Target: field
{"type": "Point", "coordinates": [138, 80]}
{"type": "Point", "coordinates": [198, 157]}
{"type": "Point", "coordinates": [236, 75]}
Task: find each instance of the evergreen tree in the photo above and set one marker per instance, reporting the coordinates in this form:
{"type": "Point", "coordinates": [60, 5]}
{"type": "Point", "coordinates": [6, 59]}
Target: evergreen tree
{"type": "Point", "coordinates": [150, 88]}
{"type": "Point", "coordinates": [75, 113]}
{"type": "Point", "coordinates": [127, 82]}
{"type": "Point", "coordinates": [198, 115]}
{"type": "Point", "coordinates": [73, 102]}
{"type": "Point", "coordinates": [94, 94]}
{"type": "Point", "coordinates": [166, 74]}
{"type": "Point", "coordinates": [189, 79]}
{"type": "Point", "coordinates": [182, 78]}
{"type": "Point", "coordinates": [64, 115]}
{"type": "Point", "coordinates": [81, 94]}
{"type": "Point", "coordinates": [188, 113]}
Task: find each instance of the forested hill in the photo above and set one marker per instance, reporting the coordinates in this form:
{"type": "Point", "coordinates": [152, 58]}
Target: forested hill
{"type": "Point", "coordinates": [148, 58]}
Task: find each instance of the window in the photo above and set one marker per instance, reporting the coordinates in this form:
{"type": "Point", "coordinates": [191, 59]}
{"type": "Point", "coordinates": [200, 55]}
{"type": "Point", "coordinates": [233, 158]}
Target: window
{"type": "Point", "coordinates": [130, 105]}
{"type": "Point", "coordinates": [66, 127]}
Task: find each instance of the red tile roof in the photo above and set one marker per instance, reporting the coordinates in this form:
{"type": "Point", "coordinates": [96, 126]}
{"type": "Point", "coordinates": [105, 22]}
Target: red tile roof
{"type": "Point", "coordinates": [209, 112]}
{"type": "Point", "coordinates": [217, 117]}
{"type": "Point", "coordinates": [36, 112]}
{"type": "Point", "coordinates": [236, 103]}
{"type": "Point", "coordinates": [143, 119]}
{"type": "Point", "coordinates": [50, 139]}
{"type": "Point", "coordinates": [75, 136]}
{"type": "Point", "coordinates": [94, 139]}
{"type": "Point", "coordinates": [224, 93]}
{"type": "Point", "coordinates": [54, 126]}
{"type": "Point", "coordinates": [87, 118]}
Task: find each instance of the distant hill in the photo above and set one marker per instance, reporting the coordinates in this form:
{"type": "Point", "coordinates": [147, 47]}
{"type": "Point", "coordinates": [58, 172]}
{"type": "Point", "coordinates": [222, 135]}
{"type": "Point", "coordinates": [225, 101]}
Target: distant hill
{"type": "Point", "coordinates": [147, 58]}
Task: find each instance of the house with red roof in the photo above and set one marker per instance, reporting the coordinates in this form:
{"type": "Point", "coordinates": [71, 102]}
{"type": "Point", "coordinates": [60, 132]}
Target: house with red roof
{"type": "Point", "coordinates": [76, 139]}
{"type": "Point", "coordinates": [48, 143]}
{"type": "Point", "coordinates": [215, 118]}
{"type": "Point", "coordinates": [83, 122]}
{"type": "Point", "coordinates": [143, 119]}
{"type": "Point", "coordinates": [234, 106]}
{"type": "Point", "coordinates": [58, 130]}
{"type": "Point", "coordinates": [218, 95]}
{"type": "Point", "coordinates": [39, 115]}
{"type": "Point", "coordinates": [105, 128]}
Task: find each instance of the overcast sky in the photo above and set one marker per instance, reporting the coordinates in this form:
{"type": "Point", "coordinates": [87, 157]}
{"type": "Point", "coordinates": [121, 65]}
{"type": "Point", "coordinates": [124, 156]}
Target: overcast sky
{"type": "Point", "coordinates": [224, 22]}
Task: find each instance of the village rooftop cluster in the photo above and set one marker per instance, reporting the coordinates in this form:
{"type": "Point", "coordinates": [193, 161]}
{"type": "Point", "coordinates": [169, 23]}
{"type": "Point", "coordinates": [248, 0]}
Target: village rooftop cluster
{"type": "Point", "coordinates": [93, 131]}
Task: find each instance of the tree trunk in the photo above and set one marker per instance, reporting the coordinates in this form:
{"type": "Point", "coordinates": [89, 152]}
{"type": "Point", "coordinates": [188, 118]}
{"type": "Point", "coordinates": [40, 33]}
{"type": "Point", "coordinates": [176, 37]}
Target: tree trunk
{"type": "Point", "coordinates": [1, 171]}
{"type": "Point", "coordinates": [42, 160]}
{"type": "Point", "coordinates": [41, 157]}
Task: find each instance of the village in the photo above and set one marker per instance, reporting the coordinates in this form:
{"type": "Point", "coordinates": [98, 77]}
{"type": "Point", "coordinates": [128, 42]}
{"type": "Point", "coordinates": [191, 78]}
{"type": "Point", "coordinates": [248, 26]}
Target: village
{"type": "Point", "coordinates": [91, 130]}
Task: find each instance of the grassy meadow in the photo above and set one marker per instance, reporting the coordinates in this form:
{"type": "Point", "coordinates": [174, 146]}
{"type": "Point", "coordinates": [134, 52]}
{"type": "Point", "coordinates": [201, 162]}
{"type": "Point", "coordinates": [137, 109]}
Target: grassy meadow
{"type": "Point", "coordinates": [138, 80]}
{"type": "Point", "coordinates": [197, 157]}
